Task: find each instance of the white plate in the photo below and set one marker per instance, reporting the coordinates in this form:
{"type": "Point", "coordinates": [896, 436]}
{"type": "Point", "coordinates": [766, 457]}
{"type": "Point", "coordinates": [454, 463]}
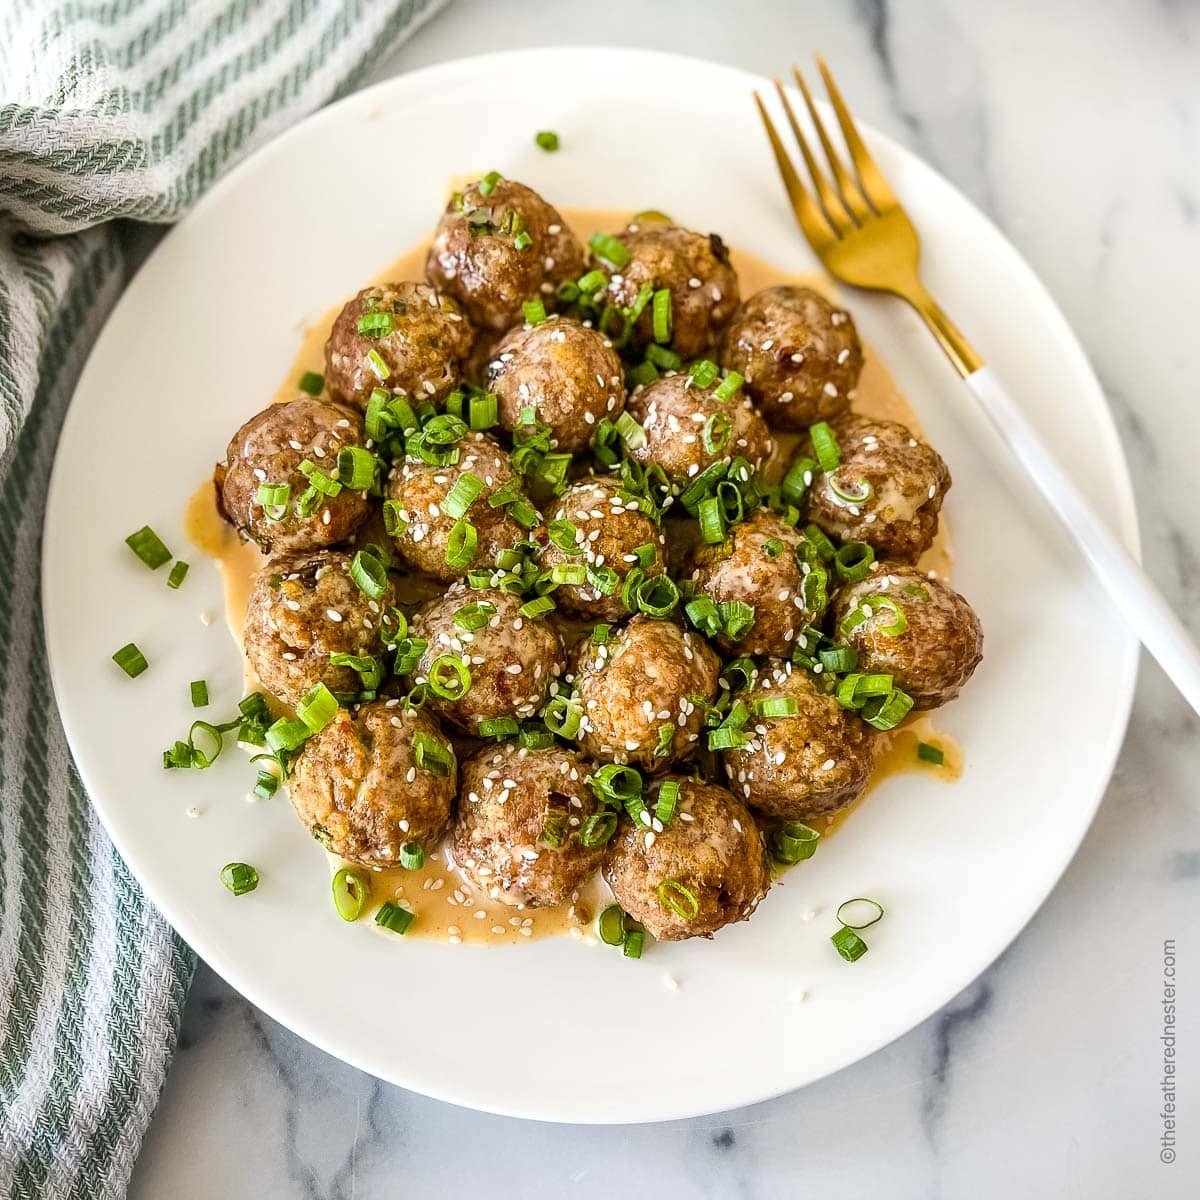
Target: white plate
{"type": "Point", "coordinates": [552, 1029]}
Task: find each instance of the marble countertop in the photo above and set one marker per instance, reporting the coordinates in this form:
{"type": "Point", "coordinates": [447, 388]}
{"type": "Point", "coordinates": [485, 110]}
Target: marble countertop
{"type": "Point", "coordinates": [1076, 126]}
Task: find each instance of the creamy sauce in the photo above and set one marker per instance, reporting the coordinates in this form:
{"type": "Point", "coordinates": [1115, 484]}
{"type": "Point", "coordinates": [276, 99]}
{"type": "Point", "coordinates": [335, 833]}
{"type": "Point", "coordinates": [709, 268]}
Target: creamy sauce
{"type": "Point", "coordinates": [447, 907]}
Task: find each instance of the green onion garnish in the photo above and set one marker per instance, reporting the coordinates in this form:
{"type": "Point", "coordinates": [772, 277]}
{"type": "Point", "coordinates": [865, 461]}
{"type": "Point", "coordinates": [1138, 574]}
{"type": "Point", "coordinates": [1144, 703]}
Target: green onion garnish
{"type": "Point", "coordinates": [643, 374]}
{"type": "Point", "coordinates": [534, 312]}
{"type": "Point", "coordinates": [462, 543]}
{"type": "Point", "coordinates": [611, 925]}
{"type": "Point", "coordinates": [657, 595]}
{"type": "Point", "coordinates": [825, 549]}
{"type": "Point", "coordinates": [718, 429]}
{"type": "Point", "coordinates": [522, 241]}
{"type": "Point", "coordinates": [312, 382]}
{"type": "Point", "coordinates": [266, 785]}
{"type": "Point", "coordinates": [287, 735]}
{"type": "Point", "coordinates": [848, 944]}
{"type": "Point", "coordinates": [630, 432]}
{"type": "Point", "coordinates": [432, 756]}
{"type": "Point", "coordinates": [928, 752]}
{"type": "Point", "coordinates": [369, 668]}
{"type": "Point", "coordinates": [598, 829]}
{"type": "Point", "coordinates": [369, 573]}
{"type": "Point", "coordinates": [498, 727]}
{"type": "Point", "coordinates": [381, 369]}
{"type": "Point", "coordinates": [523, 513]}
{"type": "Point", "coordinates": [356, 468]}
{"type": "Point", "coordinates": [534, 736]}
{"type": "Point", "coordinates": [667, 802]}
{"type": "Point", "coordinates": [573, 574]}
{"type": "Point", "coordinates": [487, 185]}
{"type": "Point", "coordinates": [483, 411]}
{"type": "Point", "coordinates": [712, 520]}
{"type": "Point", "coordinates": [376, 324]}
{"type": "Point", "coordinates": [634, 943]}
{"type": "Point", "coordinates": [737, 617]}
{"type": "Point", "coordinates": [239, 878]}
{"type": "Point", "coordinates": [853, 561]}
{"type": "Point", "coordinates": [554, 828]}
{"type": "Point", "coordinates": [837, 660]}
{"type": "Point", "coordinates": [466, 490]}
{"type": "Point", "coordinates": [825, 446]}
{"type": "Point", "coordinates": [646, 554]}
{"type": "Point", "coordinates": [395, 519]}
{"type": "Point", "coordinates": [679, 899]}
{"type": "Point", "coordinates": [728, 387]}
{"type": "Point", "coordinates": [666, 740]}
{"type": "Point", "coordinates": [608, 248]}
{"type": "Point", "coordinates": [131, 660]}
{"type": "Point", "coordinates": [886, 712]}
{"type": "Point", "coordinates": [392, 917]}
{"type": "Point", "coordinates": [148, 546]}
{"type": "Point", "coordinates": [351, 890]}
{"type": "Point", "coordinates": [874, 913]}
{"type": "Point", "coordinates": [547, 139]}
{"type": "Point", "coordinates": [449, 677]}
{"type": "Point", "coordinates": [563, 716]}
{"type": "Point", "coordinates": [615, 783]}
{"type": "Point", "coordinates": [592, 282]}
{"type": "Point", "coordinates": [565, 535]}
{"type": "Point", "coordinates": [660, 312]}
{"type": "Point", "coordinates": [663, 358]}
{"type": "Point", "coordinates": [703, 373]}
{"type": "Point", "coordinates": [798, 480]}
{"type": "Point", "coordinates": [603, 578]}
{"type": "Point", "coordinates": [325, 484]}
{"type": "Point", "coordinates": [539, 606]}
{"type": "Point", "coordinates": [474, 615]}
{"type": "Point", "coordinates": [317, 707]}
{"type": "Point", "coordinates": [412, 856]}
{"type": "Point", "coordinates": [861, 496]}
{"type": "Point", "coordinates": [776, 706]}
{"type": "Point", "coordinates": [199, 691]}
{"type": "Point", "coordinates": [600, 634]}
{"type": "Point", "coordinates": [793, 842]}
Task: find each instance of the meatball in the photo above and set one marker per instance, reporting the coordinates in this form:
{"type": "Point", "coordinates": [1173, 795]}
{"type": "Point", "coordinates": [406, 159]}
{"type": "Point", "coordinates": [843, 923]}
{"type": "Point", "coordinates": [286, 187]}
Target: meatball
{"type": "Point", "coordinates": [695, 267]}
{"type": "Point", "coordinates": [519, 819]}
{"type": "Point", "coordinates": [688, 428]}
{"type": "Point", "coordinates": [902, 479]}
{"type": "Point", "coordinates": [607, 526]}
{"type": "Point", "coordinates": [269, 448]}
{"type": "Point", "coordinates": [568, 374]}
{"type": "Point", "coordinates": [809, 765]}
{"type": "Point", "coordinates": [420, 490]}
{"type": "Point", "coordinates": [762, 563]}
{"type": "Point", "coordinates": [360, 790]}
{"type": "Point", "coordinates": [639, 692]}
{"type": "Point", "coordinates": [709, 863]}
{"type": "Point", "coordinates": [508, 663]}
{"type": "Point", "coordinates": [916, 629]}
{"type": "Point", "coordinates": [417, 334]}
{"type": "Point", "coordinates": [302, 609]}
{"type": "Point", "coordinates": [495, 248]}
{"type": "Point", "coordinates": [800, 356]}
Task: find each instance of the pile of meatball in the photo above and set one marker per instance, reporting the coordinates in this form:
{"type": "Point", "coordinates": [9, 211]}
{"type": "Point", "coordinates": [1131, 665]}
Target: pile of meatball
{"type": "Point", "coordinates": [408, 765]}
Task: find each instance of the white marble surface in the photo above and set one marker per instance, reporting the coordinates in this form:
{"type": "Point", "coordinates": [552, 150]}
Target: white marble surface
{"type": "Point", "coordinates": [1076, 125]}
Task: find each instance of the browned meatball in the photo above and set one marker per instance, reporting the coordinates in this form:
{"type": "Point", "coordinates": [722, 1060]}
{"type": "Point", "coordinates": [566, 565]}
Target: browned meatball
{"type": "Point", "coordinates": [809, 765]}
{"type": "Point", "coordinates": [359, 790]}
{"type": "Point", "coordinates": [695, 267]}
{"type": "Point", "coordinates": [760, 563]}
{"type": "Point", "coordinates": [510, 661]}
{"type": "Point", "coordinates": [481, 256]}
{"type": "Point", "coordinates": [902, 479]}
{"type": "Point", "coordinates": [710, 863]}
{"type": "Point", "coordinates": [419, 336]}
{"type": "Point", "coordinates": [568, 374]}
{"type": "Point", "coordinates": [688, 429]}
{"type": "Point", "coordinates": [302, 609]}
{"type": "Point", "coordinates": [269, 448]}
{"type": "Point", "coordinates": [608, 527]}
{"type": "Point", "coordinates": [520, 815]}
{"type": "Point", "coordinates": [421, 490]}
{"type": "Point", "coordinates": [800, 356]}
{"type": "Point", "coordinates": [936, 640]}
{"type": "Point", "coordinates": [641, 683]}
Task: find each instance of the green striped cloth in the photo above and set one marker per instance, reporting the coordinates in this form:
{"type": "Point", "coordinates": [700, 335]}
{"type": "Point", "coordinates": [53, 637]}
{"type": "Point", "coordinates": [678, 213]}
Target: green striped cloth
{"type": "Point", "coordinates": [108, 109]}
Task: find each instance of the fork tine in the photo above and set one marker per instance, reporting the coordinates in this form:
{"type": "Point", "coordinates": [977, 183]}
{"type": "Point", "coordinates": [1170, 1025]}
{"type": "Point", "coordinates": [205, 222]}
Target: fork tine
{"type": "Point", "coordinates": [848, 191]}
{"type": "Point", "coordinates": [835, 210]}
{"type": "Point", "coordinates": [873, 183]}
{"type": "Point", "coordinates": [812, 221]}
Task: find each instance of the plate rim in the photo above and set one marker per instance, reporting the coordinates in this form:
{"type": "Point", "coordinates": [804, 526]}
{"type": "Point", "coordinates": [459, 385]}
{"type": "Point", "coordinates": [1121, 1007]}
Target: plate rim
{"type": "Point", "coordinates": [1127, 652]}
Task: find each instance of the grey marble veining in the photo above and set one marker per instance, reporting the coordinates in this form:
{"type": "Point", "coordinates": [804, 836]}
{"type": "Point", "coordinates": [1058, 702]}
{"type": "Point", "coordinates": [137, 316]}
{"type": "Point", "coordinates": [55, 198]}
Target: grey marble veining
{"type": "Point", "coordinates": [1076, 126]}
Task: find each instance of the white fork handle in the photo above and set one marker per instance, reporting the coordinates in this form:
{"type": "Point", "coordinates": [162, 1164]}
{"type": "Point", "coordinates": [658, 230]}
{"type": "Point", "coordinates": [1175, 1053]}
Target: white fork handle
{"type": "Point", "coordinates": [1138, 600]}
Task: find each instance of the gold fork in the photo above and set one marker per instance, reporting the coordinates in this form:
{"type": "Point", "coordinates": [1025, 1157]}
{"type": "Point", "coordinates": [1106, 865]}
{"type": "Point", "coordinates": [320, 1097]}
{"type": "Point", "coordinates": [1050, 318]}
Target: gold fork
{"type": "Point", "coordinates": [859, 230]}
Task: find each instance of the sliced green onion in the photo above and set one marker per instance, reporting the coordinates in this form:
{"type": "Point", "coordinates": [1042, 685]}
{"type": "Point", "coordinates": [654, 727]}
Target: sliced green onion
{"type": "Point", "coordinates": [392, 917]}
{"type": "Point", "coordinates": [610, 249]}
{"type": "Point", "coordinates": [773, 548]}
{"type": "Point", "coordinates": [312, 382]}
{"type": "Point", "coordinates": [661, 315]}
{"type": "Point", "coordinates": [498, 727]}
{"type": "Point", "coordinates": [718, 429]}
{"type": "Point", "coordinates": [487, 185]}
{"type": "Point", "coordinates": [395, 519]}
{"type": "Point", "coordinates": [412, 856]}
{"type": "Point", "coordinates": [712, 520]}
{"type": "Point", "coordinates": [848, 944]}
{"type": "Point", "coordinates": [616, 783]}
{"type": "Point", "coordinates": [554, 828]}
{"type": "Point", "coordinates": [888, 711]}
{"type": "Point", "coordinates": [368, 668]}
{"type": "Point", "coordinates": [592, 282]}
{"type": "Point", "coordinates": [432, 756]}
{"type": "Point", "coordinates": [522, 242]}
{"type": "Point", "coordinates": [679, 899]}
{"type": "Point", "coordinates": [356, 468]}
{"type": "Point", "coordinates": [466, 490]}
{"type": "Point", "coordinates": [565, 535]}
{"type": "Point", "coordinates": [634, 943]}
{"type": "Point", "coordinates": [381, 369]}
{"type": "Point", "coordinates": [483, 411]}
{"type": "Point", "coordinates": [703, 485]}
{"type": "Point", "coordinates": [704, 615]}
{"type": "Point", "coordinates": [547, 139]}
{"type": "Point", "coordinates": [131, 660]}
{"type": "Point", "coordinates": [563, 716]}
{"type": "Point", "coordinates": [474, 615]}
{"type": "Point", "coordinates": [574, 574]}
{"type": "Point", "coordinates": [199, 691]}
{"type": "Point", "coordinates": [874, 913]}
{"type": "Point", "coordinates": [535, 737]}
{"type": "Point", "coordinates": [600, 634]}
{"type": "Point", "coordinates": [523, 513]}
{"type": "Point", "coordinates": [149, 547]}
{"type": "Point", "coordinates": [663, 358]}
{"type": "Point", "coordinates": [737, 617]}
{"type": "Point", "coordinates": [646, 554]}
{"type": "Point", "coordinates": [928, 752]}
{"type": "Point", "coordinates": [325, 484]}
{"type": "Point", "coordinates": [667, 802]}
{"type": "Point", "coordinates": [611, 925]}
{"type": "Point", "coordinates": [317, 707]}
{"type": "Point", "coordinates": [603, 578]}
{"type": "Point", "coordinates": [462, 543]}
{"type": "Point", "coordinates": [534, 312]}
{"type": "Point", "coordinates": [369, 574]}
{"type": "Point", "coordinates": [449, 677]}
{"type": "Point", "coordinates": [740, 673]}
{"type": "Point", "coordinates": [853, 561]}
{"type": "Point", "coordinates": [729, 387]}
{"type": "Point", "coordinates": [266, 785]}
{"type": "Point", "coordinates": [538, 607]}
{"type": "Point", "coordinates": [793, 842]}
{"type": "Point", "coordinates": [630, 432]}
{"type": "Point", "coordinates": [733, 505]}
{"type": "Point", "coordinates": [351, 890]}
{"type": "Point", "coordinates": [239, 878]}
{"type": "Point", "coordinates": [643, 374]}
{"type": "Point", "coordinates": [824, 548]}
{"type": "Point", "coordinates": [825, 446]}
{"type": "Point", "coordinates": [287, 735]}
{"type": "Point", "coordinates": [798, 480]}
{"type": "Point", "coordinates": [598, 829]}
{"type": "Point", "coordinates": [507, 494]}
{"type": "Point", "coordinates": [376, 324]}
{"type": "Point", "coordinates": [726, 738]}
{"type": "Point", "coordinates": [861, 496]}
{"type": "Point", "coordinates": [776, 706]}
{"type": "Point", "coordinates": [274, 497]}
{"type": "Point", "coordinates": [444, 430]}
{"type": "Point", "coordinates": [838, 659]}
{"type": "Point", "coordinates": [657, 595]}
{"type": "Point", "coordinates": [703, 373]}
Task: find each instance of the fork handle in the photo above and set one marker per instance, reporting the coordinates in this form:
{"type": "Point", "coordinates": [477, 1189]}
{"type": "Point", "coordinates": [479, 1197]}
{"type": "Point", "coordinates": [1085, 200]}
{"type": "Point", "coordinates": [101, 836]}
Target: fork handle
{"type": "Point", "coordinates": [1135, 596]}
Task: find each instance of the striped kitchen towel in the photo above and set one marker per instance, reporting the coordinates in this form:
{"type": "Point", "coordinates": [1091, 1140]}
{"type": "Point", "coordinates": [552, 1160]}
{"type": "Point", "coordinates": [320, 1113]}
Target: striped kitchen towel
{"type": "Point", "coordinates": [108, 109]}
